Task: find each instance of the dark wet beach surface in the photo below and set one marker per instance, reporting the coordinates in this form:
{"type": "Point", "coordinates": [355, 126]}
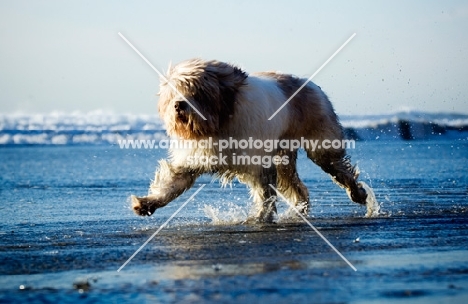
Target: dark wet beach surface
{"type": "Point", "coordinates": [66, 228]}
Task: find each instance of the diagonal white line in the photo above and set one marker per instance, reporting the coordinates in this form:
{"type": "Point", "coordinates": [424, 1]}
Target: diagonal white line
{"type": "Point", "coordinates": [313, 75]}
{"type": "Point", "coordinates": [161, 227]}
{"type": "Point", "coordinates": [313, 227]}
{"type": "Point", "coordinates": [162, 76]}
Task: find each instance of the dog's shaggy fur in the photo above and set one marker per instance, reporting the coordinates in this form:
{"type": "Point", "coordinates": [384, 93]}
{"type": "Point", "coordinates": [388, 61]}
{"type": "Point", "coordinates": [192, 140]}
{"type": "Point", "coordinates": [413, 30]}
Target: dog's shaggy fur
{"type": "Point", "coordinates": [237, 105]}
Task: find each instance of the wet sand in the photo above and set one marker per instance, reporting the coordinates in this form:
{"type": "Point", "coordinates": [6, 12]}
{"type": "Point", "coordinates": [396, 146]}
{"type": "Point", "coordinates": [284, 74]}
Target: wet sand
{"type": "Point", "coordinates": [398, 258]}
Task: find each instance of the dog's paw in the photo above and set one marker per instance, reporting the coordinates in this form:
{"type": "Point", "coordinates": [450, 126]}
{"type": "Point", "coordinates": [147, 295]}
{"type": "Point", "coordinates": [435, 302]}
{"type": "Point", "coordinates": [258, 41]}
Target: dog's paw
{"type": "Point", "coordinates": [144, 206]}
{"type": "Point", "coordinates": [359, 195]}
{"type": "Point", "coordinates": [256, 221]}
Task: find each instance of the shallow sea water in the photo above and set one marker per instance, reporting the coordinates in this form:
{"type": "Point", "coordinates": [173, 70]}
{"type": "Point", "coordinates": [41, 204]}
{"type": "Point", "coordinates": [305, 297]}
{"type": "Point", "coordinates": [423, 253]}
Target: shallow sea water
{"type": "Point", "coordinates": [66, 227]}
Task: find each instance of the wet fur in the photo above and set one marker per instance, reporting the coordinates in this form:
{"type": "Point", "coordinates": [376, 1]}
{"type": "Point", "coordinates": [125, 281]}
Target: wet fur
{"type": "Point", "coordinates": [238, 105]}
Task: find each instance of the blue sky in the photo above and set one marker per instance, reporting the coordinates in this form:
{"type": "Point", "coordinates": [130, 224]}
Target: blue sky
{"type": "Point", "coordinates": [67, 56]}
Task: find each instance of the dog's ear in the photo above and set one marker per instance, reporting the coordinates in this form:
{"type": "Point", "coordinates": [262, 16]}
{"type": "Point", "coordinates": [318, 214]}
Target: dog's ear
{"type": "Point", "coordinates": [230, 79]}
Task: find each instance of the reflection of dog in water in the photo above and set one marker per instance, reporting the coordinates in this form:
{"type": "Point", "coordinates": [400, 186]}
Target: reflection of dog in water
{"type": "Point", "coordinates": [237, 106]}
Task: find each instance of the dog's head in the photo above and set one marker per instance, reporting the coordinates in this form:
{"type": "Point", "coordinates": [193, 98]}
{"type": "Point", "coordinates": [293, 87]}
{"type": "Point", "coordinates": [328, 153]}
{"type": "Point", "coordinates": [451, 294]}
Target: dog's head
{"type": "Point", "coordinates": [209, 87]}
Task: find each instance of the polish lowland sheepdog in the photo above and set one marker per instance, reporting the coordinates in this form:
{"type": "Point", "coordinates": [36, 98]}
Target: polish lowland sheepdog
{"type": "Point", "coordinates": [216, 101]}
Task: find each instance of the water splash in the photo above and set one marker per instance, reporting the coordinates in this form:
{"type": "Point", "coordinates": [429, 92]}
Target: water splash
{"type": "Point", "coordinates": [233, 214]}
{"type": "Point", "coordinates": [229, 215]}
{"type": "Point", "coordinates": [288, 216]}
{"type": "Point", "coordinates": [373, 206]}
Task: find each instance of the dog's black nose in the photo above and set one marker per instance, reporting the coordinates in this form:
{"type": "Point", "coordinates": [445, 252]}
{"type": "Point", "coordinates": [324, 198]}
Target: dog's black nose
{"type": "Point", "coordinates": [181, 106]}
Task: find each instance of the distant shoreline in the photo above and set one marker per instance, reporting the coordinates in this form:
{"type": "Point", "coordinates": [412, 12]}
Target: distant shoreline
{"type": "Point", "coordinates": [99, 127]}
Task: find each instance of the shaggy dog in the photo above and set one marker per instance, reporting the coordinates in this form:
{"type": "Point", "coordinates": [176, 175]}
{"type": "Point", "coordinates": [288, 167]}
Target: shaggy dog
{"type": "Point", "coordinates": [236, 106]}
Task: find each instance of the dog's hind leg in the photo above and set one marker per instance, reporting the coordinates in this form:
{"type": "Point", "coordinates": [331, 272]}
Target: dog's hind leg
{"type": "Point", "coordinates": [169, 182]}
{"type": "Point", "coordinates": [289, 183]}
{"type": "Point", "coordinates": [336, 163]}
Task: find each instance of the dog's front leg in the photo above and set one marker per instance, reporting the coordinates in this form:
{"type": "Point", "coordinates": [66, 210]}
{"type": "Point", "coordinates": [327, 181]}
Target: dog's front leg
{"type": "Point", "coordinates": [169, 182]}
{"type": "Point", "coordinates": [265, 196]}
